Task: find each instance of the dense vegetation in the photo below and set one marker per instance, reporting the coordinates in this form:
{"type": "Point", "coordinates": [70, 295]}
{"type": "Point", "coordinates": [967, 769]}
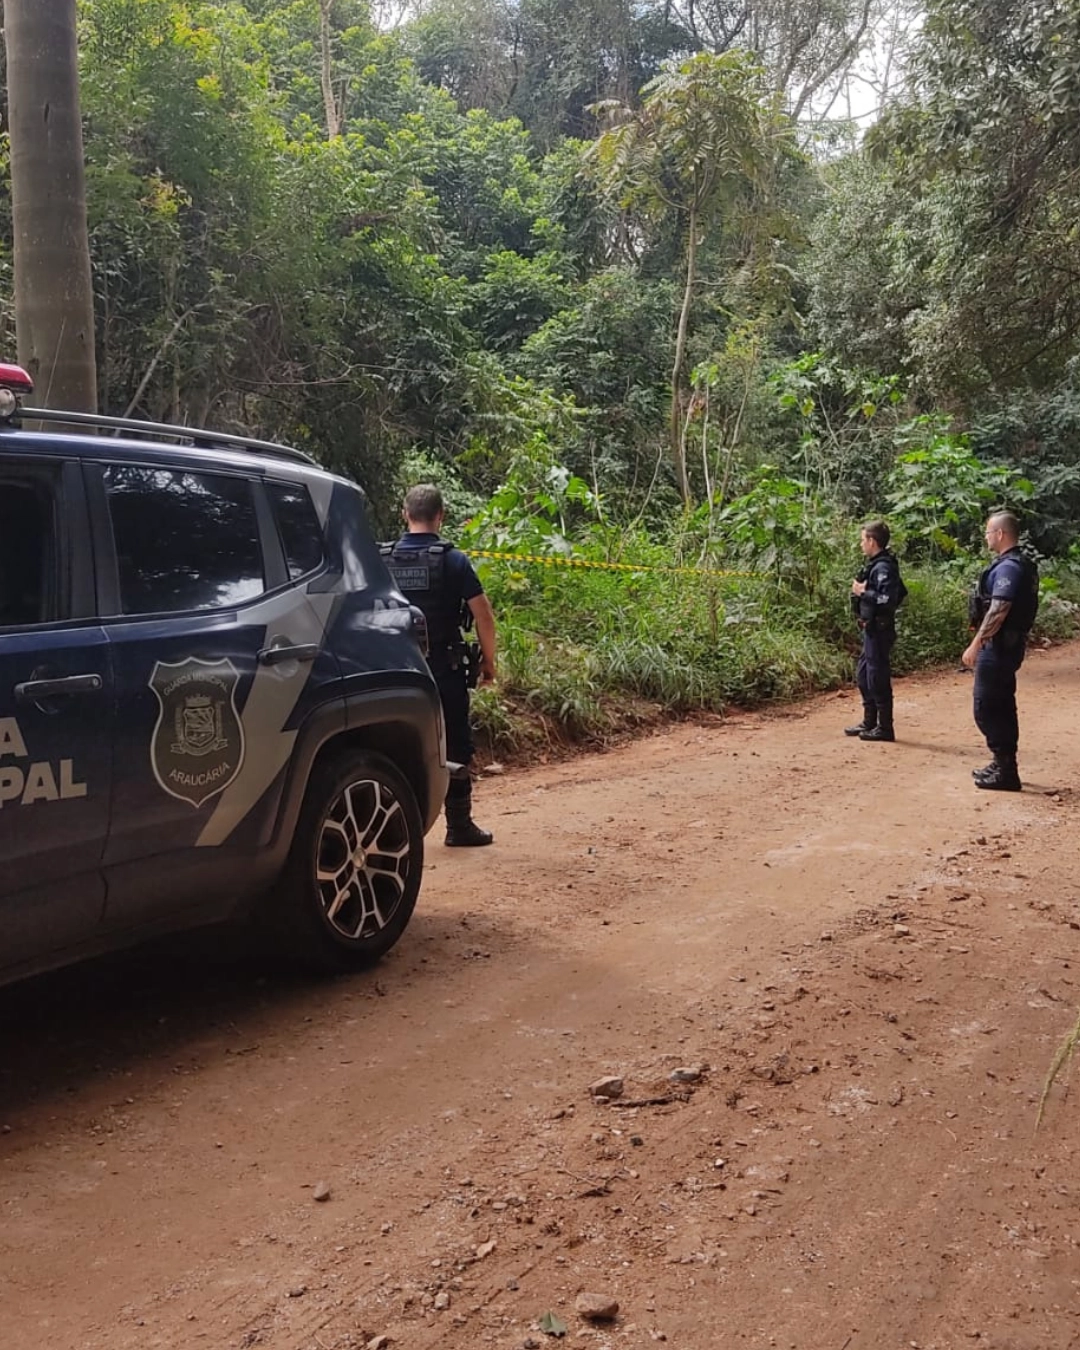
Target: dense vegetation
{"type": "Point", "coordinates": [615, 277]}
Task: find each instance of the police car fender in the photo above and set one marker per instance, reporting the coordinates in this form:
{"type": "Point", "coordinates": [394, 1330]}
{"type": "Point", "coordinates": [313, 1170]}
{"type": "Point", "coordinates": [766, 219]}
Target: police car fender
{"type": "Point", "coordinates": [38, 781]}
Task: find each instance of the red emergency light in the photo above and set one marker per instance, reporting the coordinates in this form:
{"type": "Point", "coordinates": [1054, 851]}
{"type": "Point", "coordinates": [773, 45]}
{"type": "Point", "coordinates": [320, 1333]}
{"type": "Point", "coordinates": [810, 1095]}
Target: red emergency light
{"type": "Point", "coordinates": [15, 379]}
{"type": "Point", "coordinates": [14, 382]}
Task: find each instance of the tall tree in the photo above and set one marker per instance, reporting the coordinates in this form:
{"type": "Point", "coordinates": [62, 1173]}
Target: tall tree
{"type": "Point", "coordinates": [951, 255]}
{"type": "Point", "coordinates": [808, 47]}
{"type": "Point", "coordinates": [326, 67]}
{"type": "Point", "coordinates": [704, 135]}
{"type": "Point", "coordinates": [54, 306]}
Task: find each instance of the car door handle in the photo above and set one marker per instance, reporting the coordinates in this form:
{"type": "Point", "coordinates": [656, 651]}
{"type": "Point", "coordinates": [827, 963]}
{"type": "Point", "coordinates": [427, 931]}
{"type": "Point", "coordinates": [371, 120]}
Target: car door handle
{"type": "Point", "coordinates": [276, 656]}
{"type": "Point", "coordinates": [33, 691]}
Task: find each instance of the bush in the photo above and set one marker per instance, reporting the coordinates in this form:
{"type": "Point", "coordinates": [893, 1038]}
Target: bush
{"type": "Point", "coordinates": [933, 623]}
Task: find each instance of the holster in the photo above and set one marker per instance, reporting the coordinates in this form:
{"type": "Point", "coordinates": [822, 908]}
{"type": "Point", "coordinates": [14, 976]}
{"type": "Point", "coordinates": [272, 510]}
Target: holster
{"type": "Point", "coordinates": [472, 664]}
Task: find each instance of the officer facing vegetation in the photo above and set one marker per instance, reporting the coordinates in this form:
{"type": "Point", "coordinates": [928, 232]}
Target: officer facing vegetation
{"type": "Point", "coordinates": [1003, 608]}
{"type": "Point", "coordinates": [439, 579]}
{"type": "Point", "coordinates": [876, 594]}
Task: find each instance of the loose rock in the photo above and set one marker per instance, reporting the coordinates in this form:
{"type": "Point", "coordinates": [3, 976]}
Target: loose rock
{"type": "Point", "coordinates": [597, 1307]}
{"type": "Point", "coordinates": [690, 1073]}
{"type": "Point", "coordinates": [606, 1089]}
{"type": "Point", "coordinates": [321, 1192]}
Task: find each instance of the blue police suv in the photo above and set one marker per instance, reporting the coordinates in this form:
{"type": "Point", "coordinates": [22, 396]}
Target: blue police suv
{"type": "Point", "coordinates": [214, 701]}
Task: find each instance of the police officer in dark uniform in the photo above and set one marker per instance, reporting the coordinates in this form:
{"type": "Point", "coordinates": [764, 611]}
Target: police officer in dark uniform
{"type": "Point", "coordinates": [876, 594]}
{"type": "Point", "coordinates": [1004, 608]}
{"type": "Point", "coordinates": [440, 580]}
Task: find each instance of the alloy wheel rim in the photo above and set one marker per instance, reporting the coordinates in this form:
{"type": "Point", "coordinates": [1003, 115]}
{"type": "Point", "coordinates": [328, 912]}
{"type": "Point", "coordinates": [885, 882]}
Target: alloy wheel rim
{"type": "Point", "coordinates": [362, 859]}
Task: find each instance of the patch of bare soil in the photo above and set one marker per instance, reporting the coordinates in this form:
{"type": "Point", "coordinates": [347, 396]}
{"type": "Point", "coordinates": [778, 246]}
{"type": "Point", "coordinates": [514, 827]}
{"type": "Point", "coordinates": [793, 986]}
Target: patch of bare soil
{"type": "Point", "coordinates": [830, 976]}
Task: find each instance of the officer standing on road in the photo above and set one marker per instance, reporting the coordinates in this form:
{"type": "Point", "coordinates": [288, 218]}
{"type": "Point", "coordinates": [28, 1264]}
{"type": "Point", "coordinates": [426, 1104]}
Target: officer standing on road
{"type": "Point", "coordinates": [440, 580]}
{"type": "Point", "coordinates": [1003, 609]}
{"type": "Point", "coordinates": [876, 594]}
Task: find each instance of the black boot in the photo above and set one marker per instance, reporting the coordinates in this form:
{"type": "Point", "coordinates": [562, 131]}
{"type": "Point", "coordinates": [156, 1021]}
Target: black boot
{"type": "Point", "coordinates": [868, 723]}
{"type": "Point", "coordinates": [461, 830]}
{"type": "Point", "coordinates": [884, 729]}
{"type": "Point", "coordinates": [1001, 776]}
{"type": "Point", "coordinates": [986, 768]}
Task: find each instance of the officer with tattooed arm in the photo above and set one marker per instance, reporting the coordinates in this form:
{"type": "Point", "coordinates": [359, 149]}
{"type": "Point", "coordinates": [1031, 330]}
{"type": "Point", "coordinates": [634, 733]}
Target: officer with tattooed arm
{"type": "Point", "coordinates": [440, 580]}
{"type": "Point", "coordinates": [876, 594]}
{"type": "Point", "coordinates": [1003, 609]}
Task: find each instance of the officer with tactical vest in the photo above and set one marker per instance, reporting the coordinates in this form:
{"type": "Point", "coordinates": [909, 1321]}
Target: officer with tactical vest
{"type": "Point", "coordinates": [439, 579]}
{"type": "Point", "coordinates": [1003, 608]}
{"type": "Point", "coordinates": [876, 594]}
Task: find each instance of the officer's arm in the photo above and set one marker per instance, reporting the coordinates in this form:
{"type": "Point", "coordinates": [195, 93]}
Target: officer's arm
{"type": "Point", "coordinates": [484, 619]}
{"type": "Point", "coordinates": [992, 623]}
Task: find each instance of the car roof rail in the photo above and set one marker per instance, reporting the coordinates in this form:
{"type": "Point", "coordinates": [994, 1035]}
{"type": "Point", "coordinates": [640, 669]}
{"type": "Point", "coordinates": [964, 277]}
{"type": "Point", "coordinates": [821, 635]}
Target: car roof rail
{"type": "Point", "coordinates": [196, 437]}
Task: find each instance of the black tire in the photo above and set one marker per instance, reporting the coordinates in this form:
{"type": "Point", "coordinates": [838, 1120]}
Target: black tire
{"type": "Point", "coordinates": [334, 912]}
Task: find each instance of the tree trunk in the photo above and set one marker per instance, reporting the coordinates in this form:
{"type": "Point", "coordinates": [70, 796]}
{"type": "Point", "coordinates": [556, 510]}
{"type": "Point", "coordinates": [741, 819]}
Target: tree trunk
{"type": "Point", "coordinates": [333, 120]}
{"type": "Point", "coordinates": [678, 448]}
{"type": "Point", "coordinates": [54, 298]}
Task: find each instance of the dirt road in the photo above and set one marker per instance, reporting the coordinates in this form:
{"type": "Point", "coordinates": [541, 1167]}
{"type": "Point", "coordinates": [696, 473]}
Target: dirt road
{"type": "Point", "coordinates": [862, 965]}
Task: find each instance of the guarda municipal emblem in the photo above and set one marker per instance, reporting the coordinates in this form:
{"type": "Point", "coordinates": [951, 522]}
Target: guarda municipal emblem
{"type": "Point", "coordinates": [198, 743]}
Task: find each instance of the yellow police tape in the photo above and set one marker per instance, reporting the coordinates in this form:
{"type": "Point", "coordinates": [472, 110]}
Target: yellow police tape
{"type": "Point", "coordinates": [556, 560]}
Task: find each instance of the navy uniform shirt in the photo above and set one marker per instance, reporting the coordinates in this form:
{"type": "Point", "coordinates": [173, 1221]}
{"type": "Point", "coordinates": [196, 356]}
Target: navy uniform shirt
{"type": "Point", "coordinates": [1007, 577]}
{"type": "Point", "coordinates": [460, 584]}
{"type": "Point", "coordinates": [883, 584]}
{"type": "Point", "coordinates": [459, 573]}
{"type": "Point", "coordinates": [1013, 578]}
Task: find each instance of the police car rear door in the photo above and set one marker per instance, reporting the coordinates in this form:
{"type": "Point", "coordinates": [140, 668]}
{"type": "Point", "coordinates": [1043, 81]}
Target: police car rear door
{"type": "Point", "coordinates": [212, 649]}
{"type": "Point", "coordinates": [180, 563]}
{"type": "Point", "coordinates": [55, 711]}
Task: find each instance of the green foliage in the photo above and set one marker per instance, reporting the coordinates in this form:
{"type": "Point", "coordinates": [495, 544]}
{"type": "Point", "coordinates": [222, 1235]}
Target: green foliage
{"type": "Point", "coordinates": [531, 510]}
{"type": "Point", "coordinates": [933, 622]}
{"type": "Point", "coordinates": [514, 297]}
{"type": "Point", "coordinates": [610, 352]}
{"type": "Point", "coordinates": [703, 145]}
{"type": "Point", "coordinates": [940, 493]}
{"type": "Point", "coordinates": [847, 424]}
{"type": "Point", "coordinates": [950, 252]}
{"type": "Point", "coordinates": [1039, 434]}
{"type": "Point", "coordinates": [779, 528]}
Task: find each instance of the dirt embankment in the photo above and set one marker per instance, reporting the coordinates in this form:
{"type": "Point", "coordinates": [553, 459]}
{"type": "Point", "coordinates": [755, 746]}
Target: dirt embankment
{"type": "Point", "coordinates": [861, 965]}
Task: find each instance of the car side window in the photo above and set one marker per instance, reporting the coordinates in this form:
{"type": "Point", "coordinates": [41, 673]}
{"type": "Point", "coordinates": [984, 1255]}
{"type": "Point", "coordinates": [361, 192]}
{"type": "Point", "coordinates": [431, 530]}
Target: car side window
{"type": "Point", "coordinates": [28, 554]}
{"type": "Point", "coordinates": [298, 526]}
{"type": "Point", "coordinates": [184, 540]}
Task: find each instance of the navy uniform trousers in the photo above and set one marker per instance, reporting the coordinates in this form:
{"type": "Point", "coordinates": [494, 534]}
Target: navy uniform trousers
{"type": "Point", "coordinates": [453, 689]}
{"type": "Point", "coordinates": [995, 696]}
{"type": "Point", "coordinates": [873, 674]}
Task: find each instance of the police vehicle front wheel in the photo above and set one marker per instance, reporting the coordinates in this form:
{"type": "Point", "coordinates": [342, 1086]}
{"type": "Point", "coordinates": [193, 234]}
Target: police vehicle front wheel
{"type": "Point", "coordinates": [350, 885]}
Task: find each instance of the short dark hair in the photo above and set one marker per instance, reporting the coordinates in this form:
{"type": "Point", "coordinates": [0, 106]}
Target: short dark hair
{"type": "Point", "coordinates": [1007, 523]}
{"type": "Point", "coordinates": [424, 503]}
{"type": "Point", "coordinates": [878, 531]}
